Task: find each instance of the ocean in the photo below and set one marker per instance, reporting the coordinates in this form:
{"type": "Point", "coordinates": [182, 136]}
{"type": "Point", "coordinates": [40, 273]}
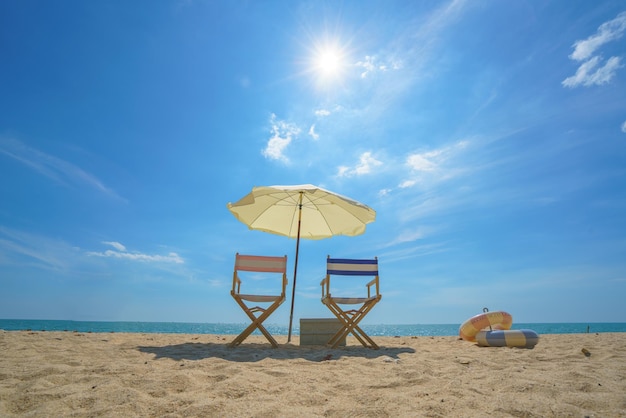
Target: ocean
{"type": "Point", "coordinates": [234, 329]}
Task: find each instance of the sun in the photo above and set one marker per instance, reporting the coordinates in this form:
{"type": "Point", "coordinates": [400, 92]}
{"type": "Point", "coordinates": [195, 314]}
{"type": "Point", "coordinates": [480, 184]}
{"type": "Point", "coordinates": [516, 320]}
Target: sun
{"type": "Point", "coordinates": [328, 62]}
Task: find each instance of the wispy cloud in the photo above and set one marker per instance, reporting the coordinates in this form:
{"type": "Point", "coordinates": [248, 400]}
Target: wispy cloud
{"type": "Point", "coordinates": [116, 245]}
{"type": "Point", "coordinates": [121, 253]}
{"type": "Point", "coordinates": [624, 127]}
{"type": "Point", "coordinates": [411, 235]}
{"type": "Point", "coordinates": [19, 247]}
{"type": "Point", "coordinates": [31, 250]}
{"type": "Point", "coordinates": [434, 163]}
{"type": "Point", "coordinates": [607, 32]}
{"type": "Point", "coordinates": [283, 133]}
{"type": "Point", "coordinates": [384, 192]}
{"type": "Point", "coordinates": [429, 205]}
{"type": "Point", "coordinates": [413, 251]}
{"type": "Point", "coordinates": [405, 184]}
{"type": "Point", "coordinates": [371, 64]}
{"type": "Point", "coordinates": [365, 165]}
{"type": "Point", "coordinates": [592, 71]}
{"type": "Point", "coordinates": [588, 75]}
{"type": "Point", "coordinates": [422, 162]}
{"type": "Point", "coordinates": [54, 168]}
{"type": "Point", "coordinates": [312, 133]}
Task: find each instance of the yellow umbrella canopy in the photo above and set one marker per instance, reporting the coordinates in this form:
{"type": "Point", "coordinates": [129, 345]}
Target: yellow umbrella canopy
{"type": "Point", "coordinates": [301, 211]}
{"type": "Point", "coordinates": [276, 209]}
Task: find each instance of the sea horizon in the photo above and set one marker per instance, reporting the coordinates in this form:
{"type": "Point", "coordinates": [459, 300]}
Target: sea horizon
{"type": "Point", "coordinates": [381, 330]}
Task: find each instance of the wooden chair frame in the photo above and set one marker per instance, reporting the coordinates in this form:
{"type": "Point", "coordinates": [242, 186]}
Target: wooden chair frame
{"type": "Point", "coordinates": [258, 314]}
{"type": "Point", "coordinates": [350, 318]}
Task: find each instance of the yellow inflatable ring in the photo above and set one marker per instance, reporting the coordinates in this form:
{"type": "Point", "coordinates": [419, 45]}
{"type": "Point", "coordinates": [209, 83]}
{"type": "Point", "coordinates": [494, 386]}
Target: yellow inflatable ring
{"type": "Point", "coordinates": [523, 338]}
{"type": "Point", "coordinates": [496, 320]}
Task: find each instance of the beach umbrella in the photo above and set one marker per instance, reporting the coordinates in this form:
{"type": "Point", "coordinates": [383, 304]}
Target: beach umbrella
{"type": "Point", "coordinates": [301, 211]}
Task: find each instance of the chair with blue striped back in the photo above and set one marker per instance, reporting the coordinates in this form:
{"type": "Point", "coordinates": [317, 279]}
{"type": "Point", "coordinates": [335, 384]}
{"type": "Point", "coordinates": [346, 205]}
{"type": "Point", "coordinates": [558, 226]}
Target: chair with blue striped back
{"type": "Point", "coordinates": [350, 318]}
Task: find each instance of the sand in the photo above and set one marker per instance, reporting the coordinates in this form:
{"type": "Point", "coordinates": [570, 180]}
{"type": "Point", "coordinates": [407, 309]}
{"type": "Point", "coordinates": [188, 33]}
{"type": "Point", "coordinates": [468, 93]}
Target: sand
{"type": "Point", "coordinates": [73, 374]}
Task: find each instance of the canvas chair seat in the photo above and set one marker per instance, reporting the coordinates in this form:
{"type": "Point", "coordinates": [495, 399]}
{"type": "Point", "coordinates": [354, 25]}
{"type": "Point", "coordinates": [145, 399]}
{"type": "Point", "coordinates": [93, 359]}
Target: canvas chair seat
{"type": "Point", "coordinates": [260, 266]}
{"type": "Point", "coordinates": [351, 269]}
{"type": "Point", "coordinates": [259, 298]}
{"type": "Point", "coordinates": [352, 301]}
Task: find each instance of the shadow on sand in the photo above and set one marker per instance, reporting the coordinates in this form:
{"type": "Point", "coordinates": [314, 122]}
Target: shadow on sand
{"type": "Point", "coordinates": [251, 352]}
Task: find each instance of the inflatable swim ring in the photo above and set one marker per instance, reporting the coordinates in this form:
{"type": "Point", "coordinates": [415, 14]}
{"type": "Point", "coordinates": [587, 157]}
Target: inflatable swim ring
{"type": "Point", "coordinates": [498, 319]}
{"type": "Point", "coordinates": [523, 338]}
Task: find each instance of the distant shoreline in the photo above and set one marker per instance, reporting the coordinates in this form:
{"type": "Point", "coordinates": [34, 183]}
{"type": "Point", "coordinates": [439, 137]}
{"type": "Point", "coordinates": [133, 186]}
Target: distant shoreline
{"type": "Point", "coordinates": [282, 330]}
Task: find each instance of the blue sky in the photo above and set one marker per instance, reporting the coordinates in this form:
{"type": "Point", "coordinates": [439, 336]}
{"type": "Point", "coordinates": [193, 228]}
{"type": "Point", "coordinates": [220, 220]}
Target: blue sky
{"type": "Point", "coordinates": [489, 136]}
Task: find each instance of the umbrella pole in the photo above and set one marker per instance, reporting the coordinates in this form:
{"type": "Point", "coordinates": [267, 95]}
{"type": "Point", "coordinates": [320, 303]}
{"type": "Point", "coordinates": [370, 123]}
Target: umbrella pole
{"type": "Point", "coordinates": [295, 268]}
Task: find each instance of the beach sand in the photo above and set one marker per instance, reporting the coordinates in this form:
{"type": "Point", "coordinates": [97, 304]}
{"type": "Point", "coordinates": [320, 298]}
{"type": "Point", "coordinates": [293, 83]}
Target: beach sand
{"type": "Point", "coordinates": [72, 374]}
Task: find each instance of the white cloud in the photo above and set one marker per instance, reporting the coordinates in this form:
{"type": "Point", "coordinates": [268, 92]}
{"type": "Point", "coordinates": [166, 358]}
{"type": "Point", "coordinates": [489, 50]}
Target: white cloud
{"type": "Point", "coordinates": [322, 112]}
{"type": "Point", "coordinates": [371, 64]}
{"type": "Point", "coordinates": [608, 31]}
{"type": "Point", "coordinates": [411, 235]}
{"type": "Point", "coordinates": [624, 127]}
{"type": "Point", "coordinates": [364, 166]}
{"type": "Point", "coordinates": [421, 162]}
{"type": "Point", "coordinates": [115, 245]}
{"type": "Point", "coordinates": [275, 148]}
{"type": "Point", "coordinates": [120, 252]}
{"type": "Point", "coordinates": [282, 134]}
{"type": "Point", "coordinates": [313, 134]}
{"type": "Point", "coordinates": [432, 160]}
{"type": "Point", "coordinates": [586, 76]}
{"type": "Point", "coordinates": [433, 165]}
{"type": "Point", "coordinates": [368, 65]}
{"type": "Point", "coordinates": [606, 72]}
{"type": "Point", "coordinates": [366, 162]}
{"type": "Point", "coordinates": [56, 169]}
{"type": "Point", "coordinates": [591, 72]}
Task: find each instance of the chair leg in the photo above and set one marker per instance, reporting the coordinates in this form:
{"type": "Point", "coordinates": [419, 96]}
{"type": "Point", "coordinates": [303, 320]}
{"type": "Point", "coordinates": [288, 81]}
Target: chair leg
{"type": "Point", "coordinates": [257, 322]}
{"type": "Point", "coordinates": [346, 320]}
{"type": "Point", "coordinates": [350, 322]}
{"type": "Point", "coordinates": [351, 327]}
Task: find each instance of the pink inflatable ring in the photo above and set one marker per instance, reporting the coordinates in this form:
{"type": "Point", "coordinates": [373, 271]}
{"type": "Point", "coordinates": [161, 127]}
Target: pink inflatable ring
{"type": "Point", "coordinates": [496, 320]}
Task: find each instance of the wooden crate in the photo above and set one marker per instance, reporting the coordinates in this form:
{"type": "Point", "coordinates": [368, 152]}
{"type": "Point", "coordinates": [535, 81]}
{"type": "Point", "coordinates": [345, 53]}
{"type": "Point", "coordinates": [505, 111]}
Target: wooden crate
{"type": "Point", "coordinates": [317, 331]}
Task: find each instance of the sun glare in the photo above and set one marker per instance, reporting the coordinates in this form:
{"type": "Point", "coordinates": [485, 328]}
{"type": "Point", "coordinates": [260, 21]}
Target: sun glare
{"type": "Point", "coordinates": [328, 62]}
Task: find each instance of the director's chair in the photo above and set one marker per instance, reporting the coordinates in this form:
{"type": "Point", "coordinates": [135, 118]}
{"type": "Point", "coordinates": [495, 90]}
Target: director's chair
{"type": "Point", "coordinates": [350, 318]}
{"type": "Point", "coordinates": [258, 267]}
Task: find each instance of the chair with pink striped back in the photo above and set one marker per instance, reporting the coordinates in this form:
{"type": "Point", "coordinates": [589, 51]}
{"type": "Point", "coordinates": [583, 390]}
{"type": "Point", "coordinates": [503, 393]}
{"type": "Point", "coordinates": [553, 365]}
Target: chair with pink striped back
{"type": "Point", "coordinates": [257, 267]}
